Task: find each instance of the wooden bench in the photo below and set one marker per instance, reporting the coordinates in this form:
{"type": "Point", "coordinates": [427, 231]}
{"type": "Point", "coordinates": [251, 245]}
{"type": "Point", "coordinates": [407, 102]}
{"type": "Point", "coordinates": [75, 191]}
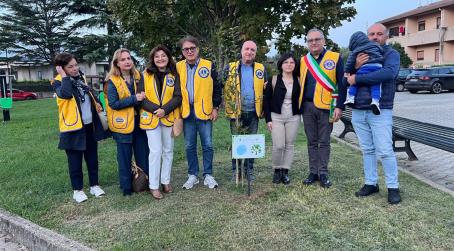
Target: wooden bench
{"type": "Point", "coordinates": [406, 130]}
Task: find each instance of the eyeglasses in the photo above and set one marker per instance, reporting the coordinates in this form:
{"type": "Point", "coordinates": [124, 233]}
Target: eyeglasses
{"type": "Point", "coordinates": [314, 40]}
{"type": "Point", "coordinates": [192, 49]}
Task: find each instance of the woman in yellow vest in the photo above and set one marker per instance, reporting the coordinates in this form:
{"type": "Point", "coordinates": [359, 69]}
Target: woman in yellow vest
{"type": "Point", "coordinates": [79, 124]}
{"type": "Point", "coordinates": [123, 103]}
{"type": "Point", "coordinates": [159, 110]}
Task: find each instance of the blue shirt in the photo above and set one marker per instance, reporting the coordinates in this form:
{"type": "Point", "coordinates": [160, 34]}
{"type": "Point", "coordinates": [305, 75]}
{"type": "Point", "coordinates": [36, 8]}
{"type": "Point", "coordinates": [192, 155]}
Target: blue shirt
{"type": "Point", "coordinates": [190, 71]}
{"type": "Point", "coordinates": [247, 88]}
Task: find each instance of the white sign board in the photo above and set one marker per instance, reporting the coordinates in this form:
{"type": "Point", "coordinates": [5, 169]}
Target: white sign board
{"type": "Point", "coordinates": [250, 146]}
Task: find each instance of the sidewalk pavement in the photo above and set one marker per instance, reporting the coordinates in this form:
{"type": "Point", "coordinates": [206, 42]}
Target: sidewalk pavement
{"type": "Point", "coordinates": [435, 167]}
{"type": "Point", "coordinates": [7, 243]}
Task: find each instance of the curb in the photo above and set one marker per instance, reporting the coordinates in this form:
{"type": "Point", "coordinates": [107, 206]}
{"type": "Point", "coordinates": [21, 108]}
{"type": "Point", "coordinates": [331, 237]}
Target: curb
{"type": "Point", "coordinates": [418, 177]}
{"type": "Point", "coordinates": [35, 237]}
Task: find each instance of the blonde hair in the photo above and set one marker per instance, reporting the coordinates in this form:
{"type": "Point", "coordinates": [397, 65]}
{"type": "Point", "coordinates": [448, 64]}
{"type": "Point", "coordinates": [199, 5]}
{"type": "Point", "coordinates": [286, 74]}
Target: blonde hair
{"type": "Point", "coordinates": [114, 69]}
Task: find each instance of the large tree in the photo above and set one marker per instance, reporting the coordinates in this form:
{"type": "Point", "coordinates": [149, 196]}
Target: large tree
{"type": "Point", "coordinates": [37, 29]}
{"type": "Point", "coordinates": [222, 25]}
{"type": "Point", "coordinates": [95, 14]}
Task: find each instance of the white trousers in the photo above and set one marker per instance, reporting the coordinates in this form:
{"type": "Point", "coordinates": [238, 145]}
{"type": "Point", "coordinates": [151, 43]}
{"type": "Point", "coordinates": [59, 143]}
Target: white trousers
{"type": "Point", "coordinates": [160, 143]}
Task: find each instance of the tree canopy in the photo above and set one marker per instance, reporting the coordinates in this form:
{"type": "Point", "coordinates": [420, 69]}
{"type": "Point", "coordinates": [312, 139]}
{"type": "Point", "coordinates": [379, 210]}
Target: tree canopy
{"type": "Point", "coordinates": [222, 25]}
{"type": "Point", "coordinates": [36, 29]}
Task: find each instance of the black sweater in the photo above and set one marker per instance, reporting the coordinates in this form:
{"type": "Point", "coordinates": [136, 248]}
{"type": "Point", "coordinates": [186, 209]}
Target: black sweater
{"type": "Point", "coordinates": [273, 100]}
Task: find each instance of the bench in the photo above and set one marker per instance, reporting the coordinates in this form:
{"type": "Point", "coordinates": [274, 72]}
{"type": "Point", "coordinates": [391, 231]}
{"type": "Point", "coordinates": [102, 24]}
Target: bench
{"type": "Point", "coordinates": [406, 130]}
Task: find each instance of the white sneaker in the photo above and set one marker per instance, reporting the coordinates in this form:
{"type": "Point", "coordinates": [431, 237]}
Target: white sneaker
{"type": "Point", "coordinates": [210, 181]}
{"type": "Point", "coordinates": [375, 106]}
{"type": "Point", "coordinates": [97, 191]}
{"type": "Point", "coordinates": [79, 196]}
{"type": "Point", "coordinates": [192, 180]}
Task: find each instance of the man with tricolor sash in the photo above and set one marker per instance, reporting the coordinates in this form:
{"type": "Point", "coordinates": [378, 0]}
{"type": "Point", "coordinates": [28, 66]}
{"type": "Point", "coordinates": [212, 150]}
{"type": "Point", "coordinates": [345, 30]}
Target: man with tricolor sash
{"type": "Point", "coordinates": [322, 96]}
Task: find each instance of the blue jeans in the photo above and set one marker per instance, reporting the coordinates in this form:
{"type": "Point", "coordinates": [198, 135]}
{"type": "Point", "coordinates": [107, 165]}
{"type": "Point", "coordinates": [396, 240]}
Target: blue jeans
{"type": "Point", "coordinates": [125, 150]}
{"type": "Point", "coordinates": [192, 126]}
{"type": "Point", "coordinates": [375, 138]}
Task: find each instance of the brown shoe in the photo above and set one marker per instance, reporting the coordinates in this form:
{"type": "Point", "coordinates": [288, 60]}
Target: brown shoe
{"type": "Point", "coordinates": [167, 188]}
{"type": "Point", "coordinates": [156, 194]}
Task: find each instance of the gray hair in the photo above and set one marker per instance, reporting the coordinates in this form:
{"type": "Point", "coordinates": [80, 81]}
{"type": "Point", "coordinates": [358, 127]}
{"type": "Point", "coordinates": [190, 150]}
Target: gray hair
{"type": "Point", "coordinates": [316, 30]}
{"type": "Point", "coordinates": [385, 30]}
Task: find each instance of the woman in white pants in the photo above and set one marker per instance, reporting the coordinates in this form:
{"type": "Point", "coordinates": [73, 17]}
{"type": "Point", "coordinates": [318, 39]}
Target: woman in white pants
{"type": "Point", "coordinates": [282, 115]}
{"type": "Point", "coordinates": [159, 110]}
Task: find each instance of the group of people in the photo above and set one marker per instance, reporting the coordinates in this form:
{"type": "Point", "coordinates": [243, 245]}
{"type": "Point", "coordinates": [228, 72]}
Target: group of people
{"type": "Point", "coordinates": [143, 106]}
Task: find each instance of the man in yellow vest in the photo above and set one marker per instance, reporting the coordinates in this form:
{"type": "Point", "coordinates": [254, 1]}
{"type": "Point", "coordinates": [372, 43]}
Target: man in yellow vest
{"type": "Point", "coordinates": [323, 94]}
{"type": "Point", "coordinates": [243, 96]}
{"type": "Point", "coordinates": [201, 92]}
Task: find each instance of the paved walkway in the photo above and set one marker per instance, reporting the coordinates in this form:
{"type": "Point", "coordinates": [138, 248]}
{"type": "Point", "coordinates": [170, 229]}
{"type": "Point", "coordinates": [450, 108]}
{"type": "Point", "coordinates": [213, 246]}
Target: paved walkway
{"type": "Point", "coordinates": [433, 164]}
{"type": "Point", "coordinates": [6, 243]}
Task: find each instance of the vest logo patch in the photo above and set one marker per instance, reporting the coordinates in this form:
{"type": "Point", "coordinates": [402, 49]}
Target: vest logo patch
{"type": "Point", "coordinates": [144, 115]}
{"type": "Point", "coordinates": [259, 74]}
{"type": "Point", "coordinates": [329, 64]}
{"type": "Point", "coordinates": [204, 72]}
{"type": "Point", "coordinates": [170, 81]}
{"type": "Point", "coordinates": [119, 120]}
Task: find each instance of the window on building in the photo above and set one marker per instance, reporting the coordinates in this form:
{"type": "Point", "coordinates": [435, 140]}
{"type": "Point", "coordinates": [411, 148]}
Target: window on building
{"type": "Point", "coordinates": [402, 30]}
{"type": "Point", "coordinates": [420, 55]}
{"type": "Point", "coordinates": [437, 55]}
{"type": "Point", "coordinates": [40, 75]}
{"type": "Point", "coordinates": [438, 22]}
{"type": "Point", "coordinates": [394, 32]}
{"type": "Point", "coordinates": [421, 25]}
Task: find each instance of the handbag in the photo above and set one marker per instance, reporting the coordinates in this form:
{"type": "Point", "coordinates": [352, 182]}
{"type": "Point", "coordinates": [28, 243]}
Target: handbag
{"type": "Point", "coordinates": [177, 127]}
{"type": "Point", "coordinates": [103, 119]}
{"type": "Point", "coordinates": [139, 179]}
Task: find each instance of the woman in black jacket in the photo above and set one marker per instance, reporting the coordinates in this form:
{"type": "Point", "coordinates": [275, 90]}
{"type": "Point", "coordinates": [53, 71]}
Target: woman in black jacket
{"type": "Point", "coordinates": [282, 114]}
{"type": "Point", "coordinates": [79, 124]}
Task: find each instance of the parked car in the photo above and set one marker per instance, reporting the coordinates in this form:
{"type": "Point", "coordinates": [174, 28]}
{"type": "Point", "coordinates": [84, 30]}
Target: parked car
{"type": "Point", "coordinates": [21, 95]}
{"type": "Point", "coordinates": [401, 78]}
{"type": "Point", "coordinates": [434, 79]}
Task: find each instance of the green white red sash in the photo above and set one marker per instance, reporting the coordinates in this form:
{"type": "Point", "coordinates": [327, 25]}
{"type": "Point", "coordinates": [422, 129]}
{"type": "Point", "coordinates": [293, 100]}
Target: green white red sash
{"type": "Point", "coordinates": [323, 79]}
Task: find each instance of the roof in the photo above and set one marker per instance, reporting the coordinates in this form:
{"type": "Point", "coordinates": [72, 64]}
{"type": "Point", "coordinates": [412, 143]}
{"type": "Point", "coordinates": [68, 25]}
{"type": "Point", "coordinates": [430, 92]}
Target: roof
{"type": "Point", "coordinates": [422, 9]}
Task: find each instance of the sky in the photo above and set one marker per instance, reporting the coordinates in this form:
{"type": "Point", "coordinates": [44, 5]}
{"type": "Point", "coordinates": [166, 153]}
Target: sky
{"type": "Point", "coordinates": [368, 13]}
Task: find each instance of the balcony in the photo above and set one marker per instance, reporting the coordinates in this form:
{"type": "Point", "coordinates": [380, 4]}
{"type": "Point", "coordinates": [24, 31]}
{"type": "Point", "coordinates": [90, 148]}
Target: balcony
{"type": "Point", "coordinates": [423, 37]}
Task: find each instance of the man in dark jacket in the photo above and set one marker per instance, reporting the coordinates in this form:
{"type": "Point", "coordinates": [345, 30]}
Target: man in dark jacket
{"type": "Point", "coordinates": [375, 131]}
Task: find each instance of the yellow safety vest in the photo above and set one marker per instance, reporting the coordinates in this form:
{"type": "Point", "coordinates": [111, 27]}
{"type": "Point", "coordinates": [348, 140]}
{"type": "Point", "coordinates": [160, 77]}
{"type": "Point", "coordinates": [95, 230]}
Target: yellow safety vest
{"type": "Point", "coordinates": [232, 90]}
{"type": "Point", "coordinates": [122, 121]}
{"type": "Point", "coordinates": [203, 89]}
{"type": "Point", "coordinates": [147, 119]}
{"type": "Point", "coordinates": [322, 97]}
{"type": "Point", "coordinates": [69, 116]}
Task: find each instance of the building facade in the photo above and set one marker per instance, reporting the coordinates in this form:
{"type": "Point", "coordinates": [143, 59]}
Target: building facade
{"type": "Point", "coordinates": [37, 71]}
{"type": "Point", "coordinates": [426, 33]}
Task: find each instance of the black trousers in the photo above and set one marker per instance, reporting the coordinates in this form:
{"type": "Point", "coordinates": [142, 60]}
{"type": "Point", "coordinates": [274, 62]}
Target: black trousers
{"type": "Point", "coordinates": [91, 160]}
{"type": "Point", "coordinates": [318, 130]}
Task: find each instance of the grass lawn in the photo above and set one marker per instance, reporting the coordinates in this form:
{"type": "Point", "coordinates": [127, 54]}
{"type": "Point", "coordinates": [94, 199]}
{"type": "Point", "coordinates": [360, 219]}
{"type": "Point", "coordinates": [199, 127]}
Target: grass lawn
{"type": "Point", "coordinates": [35, 185]}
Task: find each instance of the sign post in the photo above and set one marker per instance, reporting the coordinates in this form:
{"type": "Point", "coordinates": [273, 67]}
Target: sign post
{"type": "Point", "coordinates": [250, 146]}
{"type": "Point", "coordinates": [6, 103]}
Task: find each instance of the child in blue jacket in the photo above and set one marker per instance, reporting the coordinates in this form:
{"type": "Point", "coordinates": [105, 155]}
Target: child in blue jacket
{"type": "Point", "coordinates": [359, 43]}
